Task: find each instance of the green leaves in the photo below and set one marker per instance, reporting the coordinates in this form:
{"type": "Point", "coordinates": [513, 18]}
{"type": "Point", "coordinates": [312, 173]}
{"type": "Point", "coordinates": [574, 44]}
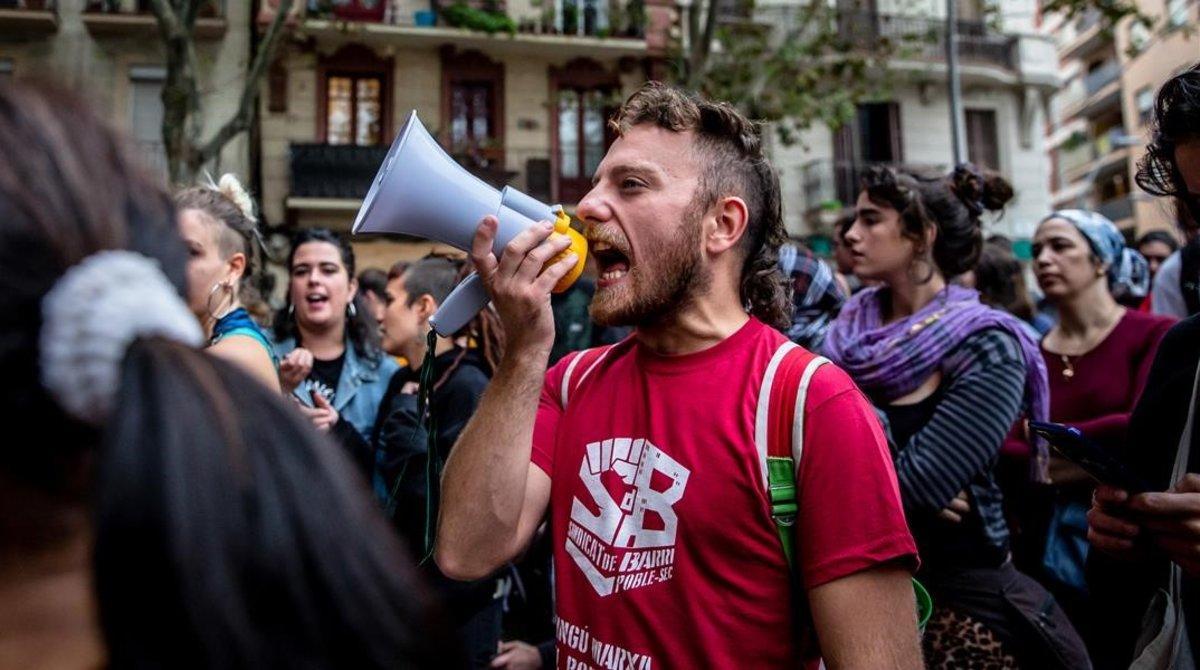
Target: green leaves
{"type": "Point", "coordinates": [461, 15]}
{"type": "Point", "coordinates": [792, 66]}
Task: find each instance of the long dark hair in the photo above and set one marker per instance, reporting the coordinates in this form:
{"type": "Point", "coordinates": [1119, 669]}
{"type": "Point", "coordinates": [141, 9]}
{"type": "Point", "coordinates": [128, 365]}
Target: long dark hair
{"type": "Point", "coordinates": [361, 327]}
{"type": "Point", "coordinates": [951, 204]}
{"type": "Point", "coordinates": [1000, 281]}
{"type": "Point", "coordinates": [228, 534]}
{"type": "Point", "coordinates": [1175, 122]}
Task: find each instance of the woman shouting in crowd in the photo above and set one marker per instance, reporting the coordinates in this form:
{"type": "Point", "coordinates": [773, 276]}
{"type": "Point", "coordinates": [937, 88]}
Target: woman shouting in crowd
{"type": "Point", "coordinates": [332, 362]}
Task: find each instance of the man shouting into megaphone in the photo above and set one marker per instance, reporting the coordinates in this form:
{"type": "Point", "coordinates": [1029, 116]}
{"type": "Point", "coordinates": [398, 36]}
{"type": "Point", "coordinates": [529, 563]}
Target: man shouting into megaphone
{"type": "Point", "coordinates": [651, 457]}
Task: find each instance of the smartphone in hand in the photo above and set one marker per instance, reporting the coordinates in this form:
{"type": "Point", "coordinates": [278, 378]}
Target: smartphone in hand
{"type": "Point", "coordinates": [1074, 446]}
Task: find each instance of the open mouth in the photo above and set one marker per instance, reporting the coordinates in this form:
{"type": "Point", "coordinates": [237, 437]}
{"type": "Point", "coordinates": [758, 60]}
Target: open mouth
{"type": "Point", "coordinates": [316, 299]}
{"type": "Point", "coordinates": [612, 263]}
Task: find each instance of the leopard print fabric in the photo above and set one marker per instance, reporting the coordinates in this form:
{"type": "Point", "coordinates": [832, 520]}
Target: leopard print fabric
{"type": "Point", "coordinates": [955, 641]}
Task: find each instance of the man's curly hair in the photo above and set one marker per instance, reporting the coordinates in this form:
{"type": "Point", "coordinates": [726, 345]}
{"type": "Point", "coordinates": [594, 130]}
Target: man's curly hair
{"type": "Point", "coordinates": [1176, 121]}
{"type": "Point", "coordinates": [731, 147]}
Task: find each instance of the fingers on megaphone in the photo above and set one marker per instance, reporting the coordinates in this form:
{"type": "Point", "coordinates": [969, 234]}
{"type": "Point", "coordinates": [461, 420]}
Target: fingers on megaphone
{"type": "Point", "coordinates": [546, 252]}
{"type": "Point", "coordinates": [521, 245]}
{"type": "Point", "coordinates": [555, 272]}
{"type": "Point", "coordinates": [481, 247]}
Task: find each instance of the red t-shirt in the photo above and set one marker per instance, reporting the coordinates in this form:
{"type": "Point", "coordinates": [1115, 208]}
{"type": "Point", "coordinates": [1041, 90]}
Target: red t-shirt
{"type": "Point", "coordinates": [665, 553]}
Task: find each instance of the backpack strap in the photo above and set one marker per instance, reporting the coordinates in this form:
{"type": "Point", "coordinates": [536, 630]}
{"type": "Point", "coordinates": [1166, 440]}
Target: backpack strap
{"type": "Point", "coordinates": [779, 437]}
{"type": "Point", "coordinates": [579, 368]}
{"type": "Point", "coordinates": [779, 433]}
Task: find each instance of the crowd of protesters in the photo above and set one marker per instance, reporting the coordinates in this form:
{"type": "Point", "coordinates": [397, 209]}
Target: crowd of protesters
{"type": "Point", "coordinates": [590, 479]}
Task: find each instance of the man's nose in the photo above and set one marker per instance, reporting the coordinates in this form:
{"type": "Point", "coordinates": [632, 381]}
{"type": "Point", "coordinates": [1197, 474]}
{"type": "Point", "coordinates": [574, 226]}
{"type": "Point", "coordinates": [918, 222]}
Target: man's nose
{"type": "Point", "coordinates": [592, 207]}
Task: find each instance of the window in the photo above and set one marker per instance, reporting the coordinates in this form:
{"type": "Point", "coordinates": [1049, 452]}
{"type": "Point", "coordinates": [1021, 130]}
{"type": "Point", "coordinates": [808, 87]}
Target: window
{"type": "Point", "coordinates": [874, 137]}
{"type": "Point", "coordinates": [354, 109]}
{"type": "Point", "coordinates": [982, 147]}
{"type": "Point", "coordinates": [581, 17]}
{"type": "Point", "coordinates": [146, 117]}
{"type": "Point", "coordinates": [471, 107]}
{"type": "Point", "coordinates": [583, 91]}
{"type": "Point", "coordinates": [1177, 11]}
{"type": "Point", "coordinates": [354, 86]}
{"type": "Point", "coordinates": [879, 132]}
{"type": "Point", "coordinates": [1145, 104]}
{"type": "Point", "coordinates": [583, 138]}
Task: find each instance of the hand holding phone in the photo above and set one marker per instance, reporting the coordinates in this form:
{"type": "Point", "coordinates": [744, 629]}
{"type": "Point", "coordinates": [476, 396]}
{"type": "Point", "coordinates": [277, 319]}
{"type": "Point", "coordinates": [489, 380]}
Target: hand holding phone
{"type": "Point", "coordinates": [1074, 446]}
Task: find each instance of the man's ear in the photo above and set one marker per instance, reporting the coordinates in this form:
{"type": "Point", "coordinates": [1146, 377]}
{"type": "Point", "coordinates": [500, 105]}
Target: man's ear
{"type": "Point", "coordinates": [726, 224]}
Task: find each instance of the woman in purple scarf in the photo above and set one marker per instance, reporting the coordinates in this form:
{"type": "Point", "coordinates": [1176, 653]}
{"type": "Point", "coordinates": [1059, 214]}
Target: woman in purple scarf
{"type": "Point", "coordinates": [952, 376]}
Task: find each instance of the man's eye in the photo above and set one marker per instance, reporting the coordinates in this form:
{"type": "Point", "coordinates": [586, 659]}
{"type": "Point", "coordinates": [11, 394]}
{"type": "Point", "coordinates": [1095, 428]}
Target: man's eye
{"type": "Point", "coordinates": [631, 183]}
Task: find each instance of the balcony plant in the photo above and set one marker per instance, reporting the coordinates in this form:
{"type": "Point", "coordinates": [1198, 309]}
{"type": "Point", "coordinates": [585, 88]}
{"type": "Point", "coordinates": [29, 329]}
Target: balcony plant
{"type": "Point", "coordinates": [570, 18]}
{"type": "Point", "coordinates": [462, 15]}
{"type": "Point", "coordinates": [635, 19]}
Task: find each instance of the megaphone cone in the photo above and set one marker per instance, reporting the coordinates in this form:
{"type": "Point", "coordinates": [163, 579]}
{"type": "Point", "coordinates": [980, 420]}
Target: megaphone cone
{"type": "Point", "coordinates": [421, 191]}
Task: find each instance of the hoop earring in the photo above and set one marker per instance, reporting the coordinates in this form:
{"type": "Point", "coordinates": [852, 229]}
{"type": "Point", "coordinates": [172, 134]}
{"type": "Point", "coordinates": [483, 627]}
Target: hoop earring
{"type": "Point", "coordinates": [291, 311]}
{"type": "Point", "coordinates": [352, 309]}
{"type": "Point", "coordinates": [208, 303]}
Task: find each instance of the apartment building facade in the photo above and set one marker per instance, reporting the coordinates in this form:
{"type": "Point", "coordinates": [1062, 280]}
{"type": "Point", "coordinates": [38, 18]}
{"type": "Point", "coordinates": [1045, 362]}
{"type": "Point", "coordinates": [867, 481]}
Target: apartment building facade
{"type": "Point", "coordinates": [1007, 71]}
{"type": "Point", "coordinates": [526, 107]}
{"type": "Point", "coordinates": [110, 50]}
{"type": "Point", "coordinates": [1098, 126]}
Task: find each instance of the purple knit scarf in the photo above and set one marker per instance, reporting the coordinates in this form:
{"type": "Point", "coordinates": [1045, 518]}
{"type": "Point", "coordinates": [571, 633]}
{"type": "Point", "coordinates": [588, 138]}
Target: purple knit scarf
{"type": "Point", "coordinates": [890, 361]}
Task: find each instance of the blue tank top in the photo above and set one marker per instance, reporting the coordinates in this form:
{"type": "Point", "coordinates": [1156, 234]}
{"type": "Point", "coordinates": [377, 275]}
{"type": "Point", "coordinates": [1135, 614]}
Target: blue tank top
{"type": "Point", "coordinates": [238, 322]}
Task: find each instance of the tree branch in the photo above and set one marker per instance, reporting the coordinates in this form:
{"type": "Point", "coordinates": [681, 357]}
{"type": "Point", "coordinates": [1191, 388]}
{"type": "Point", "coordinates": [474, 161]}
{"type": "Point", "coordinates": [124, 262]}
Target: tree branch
{"type": "Point", "coordinates": [710, 27]}
{"type": "Point", "coordinates": [240, 121]}
{"type": "Point", "coordinates": [693, 33]}
{"type": "Point", "coordinates": [168, 20]}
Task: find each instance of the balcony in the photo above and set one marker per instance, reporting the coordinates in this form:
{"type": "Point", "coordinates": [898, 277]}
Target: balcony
{"type": "Point", "coordinates": [134, 18]}
{"type": "Point", "coordinates": [1103, 154]}
{"type": "Point", "coordinates": [28, 18]}
{"type": "Point", "coordinates": [1101, 93]}
{"type": "Point", "coordinates": [924, 38]}
{"type": "Point", "coordinates": [1117, 209]}
{"type": "Point", "coordinates": [567, 28]}
{"type": "Point", "coordinates": [1089, 37]}
{"type": "Point", "coordinates": [335, 178]}
{"type": "Point", "coordinates": [1102, 76]}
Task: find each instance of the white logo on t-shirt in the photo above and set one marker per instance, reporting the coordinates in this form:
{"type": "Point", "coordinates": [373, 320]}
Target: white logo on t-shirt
{"type": "Point", "coordinates": [630, 543]}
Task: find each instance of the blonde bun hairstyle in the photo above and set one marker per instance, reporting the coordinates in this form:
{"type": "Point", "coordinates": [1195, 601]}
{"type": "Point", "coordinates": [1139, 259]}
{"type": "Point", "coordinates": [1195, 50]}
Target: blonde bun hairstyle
{"type": "Point", "coordinates": [231, 188]}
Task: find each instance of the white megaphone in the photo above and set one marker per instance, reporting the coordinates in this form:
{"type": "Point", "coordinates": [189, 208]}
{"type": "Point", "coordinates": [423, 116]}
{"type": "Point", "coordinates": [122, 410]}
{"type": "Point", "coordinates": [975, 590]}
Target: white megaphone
{"type": "Point", "coordinates": [421, 191]}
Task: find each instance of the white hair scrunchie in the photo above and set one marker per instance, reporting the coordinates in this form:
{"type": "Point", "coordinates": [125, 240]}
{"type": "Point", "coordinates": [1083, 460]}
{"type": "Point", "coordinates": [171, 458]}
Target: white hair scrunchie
{"type": "Point", "coordinates": [91, 316]}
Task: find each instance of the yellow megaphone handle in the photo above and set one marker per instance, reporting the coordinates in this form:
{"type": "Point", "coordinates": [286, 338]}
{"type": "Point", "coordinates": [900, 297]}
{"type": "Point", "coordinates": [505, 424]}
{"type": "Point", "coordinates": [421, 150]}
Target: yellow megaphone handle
{"type": "Point", "coordinates": [579, 246]}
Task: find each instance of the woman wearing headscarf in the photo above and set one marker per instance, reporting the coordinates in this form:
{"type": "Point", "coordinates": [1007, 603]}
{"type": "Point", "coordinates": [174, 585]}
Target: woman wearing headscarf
{"type": "Point", "coordinates": [1098, 356]}
{"type": "Point", "coordinates": [816, 297]}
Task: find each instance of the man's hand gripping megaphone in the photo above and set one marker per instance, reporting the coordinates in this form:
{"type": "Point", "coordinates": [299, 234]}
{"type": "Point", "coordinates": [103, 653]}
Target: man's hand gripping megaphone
{"type": "Point", "coordinates": [539, 260]}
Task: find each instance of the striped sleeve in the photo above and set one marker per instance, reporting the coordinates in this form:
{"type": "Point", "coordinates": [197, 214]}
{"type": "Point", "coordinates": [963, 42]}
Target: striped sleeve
{"type": "Point", "coordinates": [968, 427]}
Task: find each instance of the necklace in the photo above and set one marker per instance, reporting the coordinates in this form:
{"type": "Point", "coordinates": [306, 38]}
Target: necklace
{"type": "Point", "coordinates": [1068, 372]}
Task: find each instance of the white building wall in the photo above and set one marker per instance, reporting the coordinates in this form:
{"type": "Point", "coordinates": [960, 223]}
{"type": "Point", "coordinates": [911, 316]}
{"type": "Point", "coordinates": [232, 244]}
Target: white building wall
{"type": "Point", "coordinates": [925, 133]}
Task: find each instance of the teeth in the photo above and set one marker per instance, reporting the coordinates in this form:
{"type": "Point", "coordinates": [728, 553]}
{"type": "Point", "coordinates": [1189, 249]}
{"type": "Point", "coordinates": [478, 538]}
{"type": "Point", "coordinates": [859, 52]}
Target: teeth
{"type": "Point", "coordinates": [613, 274]}
{"type": "Point", "coordinates": [601, 246]}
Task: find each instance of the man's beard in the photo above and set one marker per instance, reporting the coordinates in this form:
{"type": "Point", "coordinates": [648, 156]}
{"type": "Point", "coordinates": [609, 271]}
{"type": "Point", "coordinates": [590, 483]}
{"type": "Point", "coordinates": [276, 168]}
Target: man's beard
{"type": "Point", "coordinates": [659, 287]}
